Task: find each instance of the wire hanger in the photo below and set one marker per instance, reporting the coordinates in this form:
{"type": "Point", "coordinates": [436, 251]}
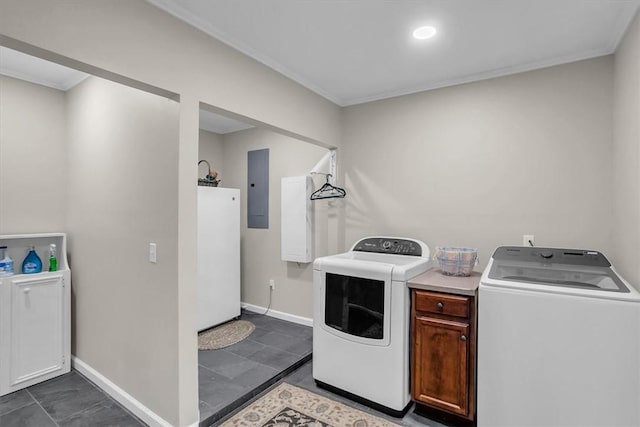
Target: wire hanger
{"type": "Point", "coordinates": [328, 191]}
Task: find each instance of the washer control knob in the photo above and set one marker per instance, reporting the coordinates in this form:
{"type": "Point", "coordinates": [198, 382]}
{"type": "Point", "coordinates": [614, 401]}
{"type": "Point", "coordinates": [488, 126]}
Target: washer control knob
{"type": "Point", "coordinates": [440, 305]}
{"type": "Point", "coordinates": [546, 254]}
{"type": "Point", "coordinates": [386, 244]}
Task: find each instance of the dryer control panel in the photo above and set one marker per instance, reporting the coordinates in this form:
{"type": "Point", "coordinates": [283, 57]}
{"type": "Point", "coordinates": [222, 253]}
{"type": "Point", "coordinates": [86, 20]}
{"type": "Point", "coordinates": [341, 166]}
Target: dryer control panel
{"type": "Point", "coordinates": [388, 245]}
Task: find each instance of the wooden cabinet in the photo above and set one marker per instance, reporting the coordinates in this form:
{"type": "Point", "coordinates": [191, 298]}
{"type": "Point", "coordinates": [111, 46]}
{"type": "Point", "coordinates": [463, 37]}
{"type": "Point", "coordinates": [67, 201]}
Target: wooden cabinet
{"type": "Point", "coordinates": [443, 352]}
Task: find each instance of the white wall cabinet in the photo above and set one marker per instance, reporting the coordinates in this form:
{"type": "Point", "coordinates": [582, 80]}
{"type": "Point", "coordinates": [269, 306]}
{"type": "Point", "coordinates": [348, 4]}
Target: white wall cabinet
{"type": "Point", "coordinates": [35, 327]}
{"type": "Point", "coordinates": [296, 212]}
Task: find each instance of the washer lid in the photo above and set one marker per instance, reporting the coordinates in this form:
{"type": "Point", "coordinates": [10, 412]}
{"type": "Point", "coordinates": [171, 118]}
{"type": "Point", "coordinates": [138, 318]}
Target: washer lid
{"type": "Point", "coordinates": [525, 254]}
{"type": "Point", "coordinates": [572, 268]}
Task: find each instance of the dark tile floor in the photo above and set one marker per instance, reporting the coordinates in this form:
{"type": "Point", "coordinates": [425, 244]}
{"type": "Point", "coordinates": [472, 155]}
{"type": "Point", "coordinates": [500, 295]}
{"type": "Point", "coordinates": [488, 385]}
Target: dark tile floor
{"type": "Point", "coordinates": [68, 400]}
{"type": "Point", "coordinates": [275, 339]}
{"type": "Point", "coordinates": [232, 376]}
{"type": "Point", "coordinates": [229, 379]}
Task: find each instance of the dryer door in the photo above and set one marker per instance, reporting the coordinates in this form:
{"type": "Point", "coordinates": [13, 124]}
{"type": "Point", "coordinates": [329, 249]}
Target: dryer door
{"type": "Point", "coordinates": [353, 301]}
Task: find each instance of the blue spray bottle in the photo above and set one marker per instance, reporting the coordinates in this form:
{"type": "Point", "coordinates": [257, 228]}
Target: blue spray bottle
{"type": "Point", "coordinates": [32, 262]}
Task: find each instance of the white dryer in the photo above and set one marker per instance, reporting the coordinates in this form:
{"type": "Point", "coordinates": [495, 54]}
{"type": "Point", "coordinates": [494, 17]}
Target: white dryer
{"type": "Point", "coordinates": [361, 320]}
{"type": "Point", "coordinates": [558, 341]}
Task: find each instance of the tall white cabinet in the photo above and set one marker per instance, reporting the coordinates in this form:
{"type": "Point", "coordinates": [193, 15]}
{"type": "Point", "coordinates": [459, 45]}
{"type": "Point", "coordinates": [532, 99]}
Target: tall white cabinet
{"type": "Point", "coordinates": [296, 214]}
{"type": "Point", "coordinates": [218, 255]}
{"type": "Point", "coordinates": [35, 325]}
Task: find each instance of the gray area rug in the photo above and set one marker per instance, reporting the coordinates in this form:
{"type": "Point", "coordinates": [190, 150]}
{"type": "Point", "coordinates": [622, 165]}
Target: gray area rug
{"type": "Point", "coordinates": [225, 335]}
{"type": "Point", "coordinates": [288, 406]}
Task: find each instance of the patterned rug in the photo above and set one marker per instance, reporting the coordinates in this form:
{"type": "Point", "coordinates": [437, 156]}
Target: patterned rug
{"type": "Point", "coordinates": [224, 335]}
{"type": "Point", "coordinates": [288, 406]}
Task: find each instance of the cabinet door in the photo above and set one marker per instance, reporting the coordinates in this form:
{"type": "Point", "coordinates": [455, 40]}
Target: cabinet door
{"type": "Point", "coordinates": [36, 331]}
{"type": "Point", "coordinates": [441, 364]}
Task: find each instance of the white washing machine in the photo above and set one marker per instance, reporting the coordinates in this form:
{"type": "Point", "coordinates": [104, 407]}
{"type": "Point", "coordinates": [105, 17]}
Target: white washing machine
{"type": "Point", "coordinates": [558, 341]}
{"type": "Point", "coordinates": [361, 320]}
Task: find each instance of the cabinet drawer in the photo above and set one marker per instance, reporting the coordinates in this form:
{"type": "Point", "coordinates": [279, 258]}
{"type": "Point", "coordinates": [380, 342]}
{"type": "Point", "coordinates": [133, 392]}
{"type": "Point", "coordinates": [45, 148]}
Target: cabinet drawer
{"type": "Point", "coordinates": [449, 305]}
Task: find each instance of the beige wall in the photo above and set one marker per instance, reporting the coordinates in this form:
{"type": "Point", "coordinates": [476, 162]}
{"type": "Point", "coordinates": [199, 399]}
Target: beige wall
{"type": "Point", "coordinates": [260, 257]}
{"type": "Point", "coordinates": [626, 156]}
{"type": "Point", "coordinates": [122, 173]}
{"type": "Point", "coordinates": [210, 149]}
{"type": "Point", "coordinates": [33, 158]}
{"type": "Point", "coordinates": [185, 286]}
{"type": "Point", "coordinates": [483, 163]}
{"type": "Point", "coordinates": [134, 42]}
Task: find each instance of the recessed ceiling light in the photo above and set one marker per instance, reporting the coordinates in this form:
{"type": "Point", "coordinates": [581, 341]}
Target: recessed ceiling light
{"type": "Point", "coordinates": [423, 33]}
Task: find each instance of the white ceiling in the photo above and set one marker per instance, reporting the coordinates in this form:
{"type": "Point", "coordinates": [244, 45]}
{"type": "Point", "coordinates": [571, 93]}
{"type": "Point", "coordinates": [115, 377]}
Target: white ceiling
{"type": "Point", "coordinates": [35, 70]}
{"type": "Point", "coordinates": [353, 51]}
{"type": "Point", "coordinates": [220, 124]}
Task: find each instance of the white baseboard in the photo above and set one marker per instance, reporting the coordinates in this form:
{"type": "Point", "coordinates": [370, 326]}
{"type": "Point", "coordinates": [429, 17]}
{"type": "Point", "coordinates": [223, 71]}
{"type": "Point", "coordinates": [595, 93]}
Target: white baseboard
{"type": "Point", "coordinates": [135, 406]}
{"type": "Point", "coordinates": [306, 321]}
{"type": "Point", "coordinates": [119, 395]}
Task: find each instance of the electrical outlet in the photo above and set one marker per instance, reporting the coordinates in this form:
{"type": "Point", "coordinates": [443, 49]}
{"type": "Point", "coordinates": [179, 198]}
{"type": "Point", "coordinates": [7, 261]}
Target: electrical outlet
{"type": "Point", "coordinates": [152, 252]}
{"type": "Point", "coordinates": [272, 284]}
{"type": "Point", "coordinates": [528, 240]}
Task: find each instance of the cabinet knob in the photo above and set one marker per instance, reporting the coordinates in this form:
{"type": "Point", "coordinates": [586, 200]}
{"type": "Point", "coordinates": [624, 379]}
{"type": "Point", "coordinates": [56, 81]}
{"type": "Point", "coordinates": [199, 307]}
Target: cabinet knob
{"type": "Point", "coordinates": [26, 290]}
{"type": "Point", "coordinates": [463, 337]}
{"type": "Point", "coordinates": [440, 305]}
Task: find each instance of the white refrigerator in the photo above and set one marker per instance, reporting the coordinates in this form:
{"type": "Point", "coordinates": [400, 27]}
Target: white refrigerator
{"type": "Point", "coordinates": [218, 255]}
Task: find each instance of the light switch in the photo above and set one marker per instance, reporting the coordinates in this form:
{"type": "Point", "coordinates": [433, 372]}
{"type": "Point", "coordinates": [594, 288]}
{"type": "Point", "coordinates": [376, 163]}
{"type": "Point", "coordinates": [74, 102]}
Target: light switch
{"type": "Point", "coordinates": [152, 252]}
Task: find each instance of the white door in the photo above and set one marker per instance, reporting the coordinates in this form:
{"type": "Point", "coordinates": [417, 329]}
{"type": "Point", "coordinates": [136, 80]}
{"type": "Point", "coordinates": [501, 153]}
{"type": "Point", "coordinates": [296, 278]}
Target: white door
{"type": "Point", "coordinates": [218, 255]}
{"type": "Point", "coordinates": [36, 327]}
